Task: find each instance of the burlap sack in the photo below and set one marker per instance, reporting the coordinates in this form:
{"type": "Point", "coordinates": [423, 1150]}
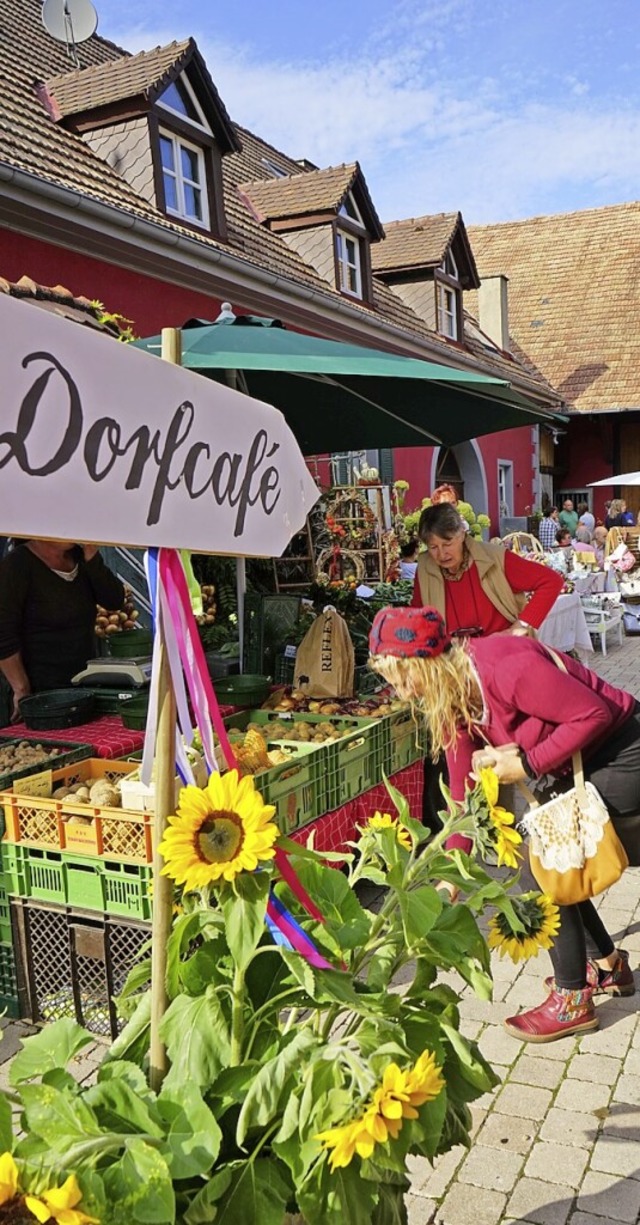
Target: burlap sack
{"type": "Point", "coordinates": [324, 661]}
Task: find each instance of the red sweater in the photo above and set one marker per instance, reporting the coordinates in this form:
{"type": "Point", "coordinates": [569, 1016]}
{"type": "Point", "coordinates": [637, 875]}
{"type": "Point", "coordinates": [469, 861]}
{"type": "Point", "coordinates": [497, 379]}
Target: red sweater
{"type": "Point", "coordinates": [529, 701]}
{"type": "Point", "coordinates": [467, 605]}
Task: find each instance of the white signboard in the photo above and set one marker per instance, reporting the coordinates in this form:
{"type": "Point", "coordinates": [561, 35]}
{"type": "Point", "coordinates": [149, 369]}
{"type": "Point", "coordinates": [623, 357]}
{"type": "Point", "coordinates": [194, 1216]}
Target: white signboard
{"type": "Point", "coordinates": [101, 442]}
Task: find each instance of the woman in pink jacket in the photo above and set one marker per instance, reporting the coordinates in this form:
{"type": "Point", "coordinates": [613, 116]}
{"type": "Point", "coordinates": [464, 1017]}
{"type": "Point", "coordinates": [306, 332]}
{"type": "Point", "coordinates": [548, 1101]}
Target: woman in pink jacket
{"type": "Point", "coordinates": [505, 701]}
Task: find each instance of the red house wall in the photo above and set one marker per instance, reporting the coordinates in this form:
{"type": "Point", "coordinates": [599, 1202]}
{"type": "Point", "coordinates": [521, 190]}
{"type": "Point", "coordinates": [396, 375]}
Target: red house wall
{"type": "Point", "coordinates": [414, 464]}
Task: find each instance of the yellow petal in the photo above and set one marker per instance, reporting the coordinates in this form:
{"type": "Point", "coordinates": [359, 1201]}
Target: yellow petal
{"type": "Point", "coordinates": [37, 1208]}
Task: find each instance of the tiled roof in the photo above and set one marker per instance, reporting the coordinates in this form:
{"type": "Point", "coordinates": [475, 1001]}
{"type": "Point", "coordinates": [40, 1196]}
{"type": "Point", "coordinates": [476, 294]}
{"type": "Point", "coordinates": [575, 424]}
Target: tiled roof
{"type": "Point", "coordinates": [294, 195]}
{"type": "Point", "coordinates": [417, 242]}
{"type": "Point", "coordinates": [574, 299]}
{"type": "Point", "coordinates": [32, 143]}
{"type": "Point", "coordinates": [61, 302]}
{"type": "Point", "coordinates": [86, 89]}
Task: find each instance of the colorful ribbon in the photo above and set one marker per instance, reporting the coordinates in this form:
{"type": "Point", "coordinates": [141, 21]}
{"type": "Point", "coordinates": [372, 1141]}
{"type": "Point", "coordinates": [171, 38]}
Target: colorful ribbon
{"type": "Point", "coordinates": [176, 628]}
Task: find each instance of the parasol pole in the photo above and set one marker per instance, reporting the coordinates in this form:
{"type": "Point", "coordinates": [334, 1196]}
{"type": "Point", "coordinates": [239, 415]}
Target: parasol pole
{"type": "Point", "coordinates": [165, 774]}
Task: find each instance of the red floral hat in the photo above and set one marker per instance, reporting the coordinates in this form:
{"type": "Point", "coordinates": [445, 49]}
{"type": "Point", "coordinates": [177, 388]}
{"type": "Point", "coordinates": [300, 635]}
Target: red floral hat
{"type": "Point", "coordinates": [407, 632]}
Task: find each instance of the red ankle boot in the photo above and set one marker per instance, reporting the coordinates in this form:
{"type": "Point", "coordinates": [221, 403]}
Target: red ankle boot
{"type": "Point", "coordinates": [563, 1012]}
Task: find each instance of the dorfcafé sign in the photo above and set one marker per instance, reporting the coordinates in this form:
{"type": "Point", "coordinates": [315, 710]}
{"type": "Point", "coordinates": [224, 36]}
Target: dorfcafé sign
{"type": "Point", "coordinates": [101, 442]}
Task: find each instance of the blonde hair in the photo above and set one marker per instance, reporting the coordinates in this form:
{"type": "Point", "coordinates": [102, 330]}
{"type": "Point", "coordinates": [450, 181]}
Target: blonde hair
{"type": "Point", "coordinates": [442, 689]}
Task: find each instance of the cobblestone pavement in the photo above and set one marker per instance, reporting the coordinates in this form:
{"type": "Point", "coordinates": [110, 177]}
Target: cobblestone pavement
{"type": "Point", "coordinates": [558, 1141]}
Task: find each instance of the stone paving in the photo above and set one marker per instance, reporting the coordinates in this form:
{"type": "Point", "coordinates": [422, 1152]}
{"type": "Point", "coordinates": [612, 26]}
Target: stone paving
{"type": "Point", "coordinates": [557, 1142]}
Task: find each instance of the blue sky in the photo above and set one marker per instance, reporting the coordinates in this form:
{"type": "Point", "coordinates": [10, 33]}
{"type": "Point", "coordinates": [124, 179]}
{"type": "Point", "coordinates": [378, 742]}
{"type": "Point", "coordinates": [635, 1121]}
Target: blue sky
{"type": "Point", "coordinates": [499, 108]}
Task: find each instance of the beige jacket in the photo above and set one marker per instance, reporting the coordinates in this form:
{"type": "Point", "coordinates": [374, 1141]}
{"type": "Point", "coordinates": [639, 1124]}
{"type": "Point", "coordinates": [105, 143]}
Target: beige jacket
{"type": "Point", "coordinates": [489, 560]}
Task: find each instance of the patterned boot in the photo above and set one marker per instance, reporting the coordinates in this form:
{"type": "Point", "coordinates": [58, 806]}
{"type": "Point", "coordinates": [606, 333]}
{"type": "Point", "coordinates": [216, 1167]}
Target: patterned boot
{"type": "Point", "coordinates": [618, 981]}
{"type": "Point", "coordinates": [563, 1012]}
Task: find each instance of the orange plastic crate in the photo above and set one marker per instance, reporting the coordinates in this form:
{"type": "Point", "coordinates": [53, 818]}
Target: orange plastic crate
{"type": "Point", "coordinates": [85, 829]}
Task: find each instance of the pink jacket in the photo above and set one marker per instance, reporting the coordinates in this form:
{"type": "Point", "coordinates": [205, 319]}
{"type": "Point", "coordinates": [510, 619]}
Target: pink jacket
{"type": "Point", "coordinates": [529, 701]}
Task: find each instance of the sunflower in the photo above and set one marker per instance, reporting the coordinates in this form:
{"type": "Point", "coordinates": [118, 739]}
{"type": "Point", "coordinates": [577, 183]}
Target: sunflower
{"type": "Point", "coordinates": [384, 820]}
{"type": "Point", "coordinates": [504, 837]}
{"type": "Point", "coordinates": [540, 918]}
{"type": "Point", "coordinates": [8, 1178]}
{"type": "Point", "coordinates": [60, 1204]}
{"type": "Point", "coordinates": [218, 832]}
{"type": "Point", "coordinates": [395, 1099]}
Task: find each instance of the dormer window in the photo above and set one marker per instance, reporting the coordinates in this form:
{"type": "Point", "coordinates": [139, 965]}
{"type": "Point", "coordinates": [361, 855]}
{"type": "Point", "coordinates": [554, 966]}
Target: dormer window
{"type": "Point", "coordinates": [448, 298]}
{"type": "Point", "coordinates": [184, 179]}
{"type": "Point", "coordinates": [328, 217]}
{"type": "Point", "coordinates": [351, 244]}
{"type": "Point", "coordinates": [157, 119]}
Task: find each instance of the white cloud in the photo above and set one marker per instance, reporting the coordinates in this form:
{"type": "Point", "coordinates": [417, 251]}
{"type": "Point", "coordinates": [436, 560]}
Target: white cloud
{"type": "Point", "coordinates": [428, 144]}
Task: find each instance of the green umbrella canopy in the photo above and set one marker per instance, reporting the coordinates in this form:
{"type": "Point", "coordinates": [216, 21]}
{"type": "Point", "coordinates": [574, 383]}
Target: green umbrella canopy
{"type": "Point", "coordinates": [341, 396]}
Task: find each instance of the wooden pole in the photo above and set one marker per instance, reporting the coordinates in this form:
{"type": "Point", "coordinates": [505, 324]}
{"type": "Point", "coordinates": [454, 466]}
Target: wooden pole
{"type": "Point", "coordinates": [165, 773]}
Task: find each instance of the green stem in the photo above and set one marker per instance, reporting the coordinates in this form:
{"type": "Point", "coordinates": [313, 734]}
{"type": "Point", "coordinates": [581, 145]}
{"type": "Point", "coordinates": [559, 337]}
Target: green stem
{"type": "Point", "coordinates": [102, 1144]}
{"type": "Point", "coordinates": [237, 1018]}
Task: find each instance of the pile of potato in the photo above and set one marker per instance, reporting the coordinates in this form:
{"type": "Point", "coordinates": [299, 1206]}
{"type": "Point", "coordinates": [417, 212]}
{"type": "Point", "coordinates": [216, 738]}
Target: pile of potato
{"type": "Point", "coordinates": [252, 752]}
{"type": "Point", "coordinates": [114, 621]}
{"type": "Point", "coordinates": [17, 755]}
{"type": "Point", "coordinates": [209, 606]}
{"type": "Point", "coordinates": [301, 731]}
{"type": "Point", "coordinates": [100, 793]}
{"type": "Point", "coordinates": [294, 700]}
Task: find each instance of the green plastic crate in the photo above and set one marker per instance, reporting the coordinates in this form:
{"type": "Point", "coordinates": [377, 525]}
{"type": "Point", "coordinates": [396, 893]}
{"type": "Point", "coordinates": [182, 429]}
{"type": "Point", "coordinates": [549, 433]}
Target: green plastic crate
{"type": "Point", "coordinates": [32, 871]}
{"type": "Point", "coordinates": [402, 741]}
{"type": "Point", "coordinates": [87, 882]}
{"type": "Point", "coordinates": [297, 788]}
{"type": "Point", "coordinates": [108, 885]}
{"type": "Point", "coordinates": [6, 935]}
{"type": "Point", "coordinates": [355, 764]}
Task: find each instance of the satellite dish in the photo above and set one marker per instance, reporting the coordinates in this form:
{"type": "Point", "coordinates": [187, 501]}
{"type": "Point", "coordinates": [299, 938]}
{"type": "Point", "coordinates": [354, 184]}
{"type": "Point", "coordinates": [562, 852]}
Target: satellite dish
{"type": "Point", "coordinates": [69, 21]}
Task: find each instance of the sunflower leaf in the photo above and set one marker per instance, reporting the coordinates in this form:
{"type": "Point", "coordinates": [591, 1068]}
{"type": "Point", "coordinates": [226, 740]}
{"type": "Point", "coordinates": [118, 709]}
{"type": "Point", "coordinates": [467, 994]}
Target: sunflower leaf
{"type": "Point", "coordinates": [256, 1191]}
{"type": "Point", "coordinates": [271, 1085]}
{"type": "Point", "coordinates": [197, 1038]}
{"type": "Point", "coordinates": [244, 906]}
{"type": "Point", "coordinates": [53, 1047]}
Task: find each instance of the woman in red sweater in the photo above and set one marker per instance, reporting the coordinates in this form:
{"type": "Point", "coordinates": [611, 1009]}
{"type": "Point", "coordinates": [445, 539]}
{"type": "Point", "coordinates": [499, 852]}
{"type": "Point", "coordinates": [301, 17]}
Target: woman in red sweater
{"type": "Point", "coordinates": [479, 589]}
{"type": "Point", "coordinates": [504, 702]}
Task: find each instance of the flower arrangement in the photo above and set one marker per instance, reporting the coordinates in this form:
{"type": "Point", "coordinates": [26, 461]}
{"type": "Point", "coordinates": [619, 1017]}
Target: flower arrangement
{"type": "Point", "coordinates": [300, 1081]}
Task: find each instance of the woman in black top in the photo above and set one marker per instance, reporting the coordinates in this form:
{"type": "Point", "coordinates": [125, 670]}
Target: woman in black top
{"type": "Point", "coordinates": [48, 595]}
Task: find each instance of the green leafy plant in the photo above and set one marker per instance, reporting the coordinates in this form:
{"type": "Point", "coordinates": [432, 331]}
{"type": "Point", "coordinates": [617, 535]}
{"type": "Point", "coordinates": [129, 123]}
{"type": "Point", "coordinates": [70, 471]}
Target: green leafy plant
{"type": "Point", "coordinates": [294, 1085]}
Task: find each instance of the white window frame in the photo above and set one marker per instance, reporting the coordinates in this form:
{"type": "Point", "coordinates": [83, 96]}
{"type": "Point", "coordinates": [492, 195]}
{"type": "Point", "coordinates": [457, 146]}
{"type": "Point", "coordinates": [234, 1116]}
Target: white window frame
{"type": "Point", "coordinates": [447, 319]}
{"type": "Point", "coordinates": [201, 123]}
{"type": "Point", "coordinates": [505, 488]}
{"type": "Point", "coordinates": [179, 142]}
{"type": "Point", "coordinates": [345, 265]}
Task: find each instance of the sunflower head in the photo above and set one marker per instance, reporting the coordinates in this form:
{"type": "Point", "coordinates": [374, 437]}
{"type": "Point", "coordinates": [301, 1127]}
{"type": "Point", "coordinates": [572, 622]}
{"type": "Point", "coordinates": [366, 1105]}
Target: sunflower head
{"type": "Point", "coordinates": [384, 820]}
{"type": "Point", "coordinates": [490, 784]}
{"type": "Point", "coordinates": [540, 919]}
{"type": "Point", "coordinates": [218, 832]}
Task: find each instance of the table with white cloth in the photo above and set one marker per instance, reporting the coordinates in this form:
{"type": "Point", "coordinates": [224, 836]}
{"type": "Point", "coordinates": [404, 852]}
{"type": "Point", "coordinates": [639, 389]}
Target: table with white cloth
{"type": "Point", "coordinates": [565, 626]}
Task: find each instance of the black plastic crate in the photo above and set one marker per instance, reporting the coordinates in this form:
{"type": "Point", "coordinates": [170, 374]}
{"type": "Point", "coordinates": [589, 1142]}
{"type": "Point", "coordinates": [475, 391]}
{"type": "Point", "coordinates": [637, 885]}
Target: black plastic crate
{"type": "Point", "coordinates": [72, 963]}
{"type": "Point", "coordinates": [70, 752]}
{"type": "Point", "coordinates": [268, 619]}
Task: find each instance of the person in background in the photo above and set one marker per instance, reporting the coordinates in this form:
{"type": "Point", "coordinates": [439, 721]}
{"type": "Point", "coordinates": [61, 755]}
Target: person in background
{"type": "Point", "coordinates": [627, 516]}
{"type": "Point", "coordinates": [563, 538]}
{"type": "Point", "coordinates": [479, 589]}
{"type": "Point", "coordinates": [48, 595]}
{"type": "Point", "coordinates": [585, 518]}
{"type": "Point", "coordinates": [614, 514]}
{"type": "Point", "coordinates": [505, 704]}
{"type": "Point", "coordinates": [409, 559]}
{"type": "Point", "coordinates": [599, 541]}
{"type": "Point", "coordinates": [548, 527]}
{"type": "Point", "coordinates": [568, 516]}
{"type": "Point", "coordinates": [582, 540]}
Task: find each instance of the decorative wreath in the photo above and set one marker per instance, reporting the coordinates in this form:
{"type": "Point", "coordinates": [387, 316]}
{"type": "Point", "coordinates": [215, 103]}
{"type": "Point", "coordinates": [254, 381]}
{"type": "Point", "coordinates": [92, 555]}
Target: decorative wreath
{"type": "Point", "coordinates": [351, 521]}
{"type": "Point", "coordinates": [340, 566]}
